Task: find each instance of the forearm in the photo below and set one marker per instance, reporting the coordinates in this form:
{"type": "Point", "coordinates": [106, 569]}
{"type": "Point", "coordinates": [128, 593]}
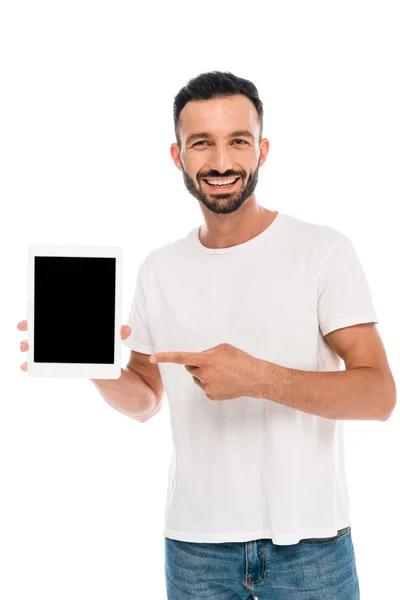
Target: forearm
{"type": "Point", "coordinates": [358, 393]}
{"type": "Point", "coordinates": [129, 394]}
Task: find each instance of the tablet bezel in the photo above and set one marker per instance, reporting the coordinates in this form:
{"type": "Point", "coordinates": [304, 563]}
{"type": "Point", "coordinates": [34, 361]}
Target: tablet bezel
{"type": "Point", "coordinates": [91, 370]}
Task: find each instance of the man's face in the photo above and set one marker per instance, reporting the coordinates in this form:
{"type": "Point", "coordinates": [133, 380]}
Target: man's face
{"type": "Point", "coordinates": [220, 139]}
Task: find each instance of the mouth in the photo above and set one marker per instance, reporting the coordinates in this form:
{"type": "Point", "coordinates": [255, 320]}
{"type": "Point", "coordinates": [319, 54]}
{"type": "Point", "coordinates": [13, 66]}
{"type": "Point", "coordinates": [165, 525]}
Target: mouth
{"type": "Point", "coordinates": [221, 183]}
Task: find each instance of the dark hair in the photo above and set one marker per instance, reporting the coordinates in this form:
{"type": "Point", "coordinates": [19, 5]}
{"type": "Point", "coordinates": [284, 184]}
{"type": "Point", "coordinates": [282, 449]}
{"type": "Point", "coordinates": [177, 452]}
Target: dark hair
{"type": "Point", "coordinates": [215, 84]}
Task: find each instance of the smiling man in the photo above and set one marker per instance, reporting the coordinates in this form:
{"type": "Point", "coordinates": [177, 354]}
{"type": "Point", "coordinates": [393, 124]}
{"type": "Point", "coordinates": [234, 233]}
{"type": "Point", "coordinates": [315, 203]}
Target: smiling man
{"type": "Point", "coordinates": [247, 319]}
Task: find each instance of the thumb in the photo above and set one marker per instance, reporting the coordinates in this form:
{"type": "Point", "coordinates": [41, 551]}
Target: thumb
{"type": "Point", "coordinates": [125, 332]}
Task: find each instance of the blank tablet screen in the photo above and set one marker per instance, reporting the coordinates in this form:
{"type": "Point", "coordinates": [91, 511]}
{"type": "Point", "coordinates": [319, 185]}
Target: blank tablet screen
{"type": "Point", "coordinates": [74, 309]}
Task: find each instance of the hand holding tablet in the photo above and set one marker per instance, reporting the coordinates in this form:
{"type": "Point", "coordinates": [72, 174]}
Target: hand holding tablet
{"type": "Point", "coordinates": [74, 311]}
{"type": "Point", "coordinates": [24, 346]}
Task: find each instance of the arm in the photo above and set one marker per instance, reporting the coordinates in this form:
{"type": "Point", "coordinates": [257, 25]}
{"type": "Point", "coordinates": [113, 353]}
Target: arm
{"type": "Point", "coordinates": [138, 391]}
{"type": "Point", "coordinates": [365, 390]}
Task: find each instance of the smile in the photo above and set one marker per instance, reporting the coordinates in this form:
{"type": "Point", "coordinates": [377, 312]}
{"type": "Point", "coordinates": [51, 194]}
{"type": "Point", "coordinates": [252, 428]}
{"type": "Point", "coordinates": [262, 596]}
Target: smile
{"type": "Point", "coordinates": [221, 182]}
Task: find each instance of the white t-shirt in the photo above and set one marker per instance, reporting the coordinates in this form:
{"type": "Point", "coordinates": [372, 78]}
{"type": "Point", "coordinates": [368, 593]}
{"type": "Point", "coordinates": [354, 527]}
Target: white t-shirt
{"type": "Point", "coordinates": [251, 468]}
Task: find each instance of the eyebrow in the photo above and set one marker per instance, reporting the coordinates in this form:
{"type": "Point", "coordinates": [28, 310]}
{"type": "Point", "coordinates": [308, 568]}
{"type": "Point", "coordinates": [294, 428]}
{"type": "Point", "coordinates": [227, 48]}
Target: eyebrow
{"type": "Point", "coordinates": [239, 133]}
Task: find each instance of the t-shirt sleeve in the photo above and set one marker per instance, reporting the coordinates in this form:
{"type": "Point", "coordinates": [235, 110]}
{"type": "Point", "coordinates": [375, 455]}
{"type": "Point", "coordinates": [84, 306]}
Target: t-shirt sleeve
{"type": "Point", "coordinates": [140, 339]}
{"type": "Point", "coordinates": [344, 295]}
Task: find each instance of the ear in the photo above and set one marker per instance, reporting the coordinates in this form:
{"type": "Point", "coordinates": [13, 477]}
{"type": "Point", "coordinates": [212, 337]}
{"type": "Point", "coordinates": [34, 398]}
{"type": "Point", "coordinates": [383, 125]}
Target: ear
{"type": "Point", "coordinates": [264, 148]}
{"type": "Point", "coordinates": [175, 152]}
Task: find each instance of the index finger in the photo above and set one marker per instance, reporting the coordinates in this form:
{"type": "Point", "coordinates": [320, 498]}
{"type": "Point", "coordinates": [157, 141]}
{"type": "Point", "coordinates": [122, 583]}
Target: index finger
{"type": "Point", "coordinates": [181, 358]}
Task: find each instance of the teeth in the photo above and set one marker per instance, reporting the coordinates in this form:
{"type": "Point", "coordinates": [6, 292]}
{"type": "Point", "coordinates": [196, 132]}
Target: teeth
{"type": "Point", "coordinates": [220, 181]}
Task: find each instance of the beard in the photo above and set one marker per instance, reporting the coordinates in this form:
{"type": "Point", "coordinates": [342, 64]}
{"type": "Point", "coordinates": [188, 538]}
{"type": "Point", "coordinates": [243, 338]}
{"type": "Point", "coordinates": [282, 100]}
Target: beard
{"type": "Point", "coordinates": [221, 202]}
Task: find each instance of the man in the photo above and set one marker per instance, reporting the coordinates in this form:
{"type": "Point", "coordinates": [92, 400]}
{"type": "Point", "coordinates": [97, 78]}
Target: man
{"type": "Point", "coordinates": [249, 316]}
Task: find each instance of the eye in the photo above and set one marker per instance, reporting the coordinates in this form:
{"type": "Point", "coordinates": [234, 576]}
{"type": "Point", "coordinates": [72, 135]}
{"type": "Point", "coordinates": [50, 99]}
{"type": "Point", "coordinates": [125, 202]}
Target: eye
{"type": "Point", "coordinates": [237, 140]}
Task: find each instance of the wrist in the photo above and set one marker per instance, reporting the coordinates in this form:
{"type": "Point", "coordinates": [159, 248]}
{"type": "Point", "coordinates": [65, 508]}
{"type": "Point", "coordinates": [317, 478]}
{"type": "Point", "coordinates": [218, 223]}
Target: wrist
{"type": "Point", "coordinates": [267, 378]}
{"type": "Point", "coordinates": [257, 384]}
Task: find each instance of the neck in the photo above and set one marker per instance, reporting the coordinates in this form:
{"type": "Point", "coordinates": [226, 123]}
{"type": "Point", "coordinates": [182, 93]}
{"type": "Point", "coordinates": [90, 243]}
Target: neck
{"type": "Point", "coordinates": [225, 230]}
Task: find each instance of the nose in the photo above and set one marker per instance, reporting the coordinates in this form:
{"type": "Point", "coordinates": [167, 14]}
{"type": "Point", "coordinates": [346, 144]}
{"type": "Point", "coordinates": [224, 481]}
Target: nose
{"type": "Point", "coordinates": [220, 159]}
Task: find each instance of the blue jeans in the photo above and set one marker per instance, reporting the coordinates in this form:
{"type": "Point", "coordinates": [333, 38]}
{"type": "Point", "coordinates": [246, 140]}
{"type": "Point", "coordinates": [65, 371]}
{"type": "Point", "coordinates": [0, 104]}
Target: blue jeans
{"type": "Point", "coordinates": [312, 569]}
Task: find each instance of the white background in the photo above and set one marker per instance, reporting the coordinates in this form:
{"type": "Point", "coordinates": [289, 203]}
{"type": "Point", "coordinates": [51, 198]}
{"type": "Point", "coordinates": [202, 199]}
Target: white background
{"type": "Point", "coordinates": [85, 129]}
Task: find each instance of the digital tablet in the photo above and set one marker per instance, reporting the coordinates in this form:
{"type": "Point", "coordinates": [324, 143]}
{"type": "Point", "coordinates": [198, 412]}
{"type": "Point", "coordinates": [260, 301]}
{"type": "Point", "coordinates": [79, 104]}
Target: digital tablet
{"type": "Point", "coordinates": [74, 311]}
